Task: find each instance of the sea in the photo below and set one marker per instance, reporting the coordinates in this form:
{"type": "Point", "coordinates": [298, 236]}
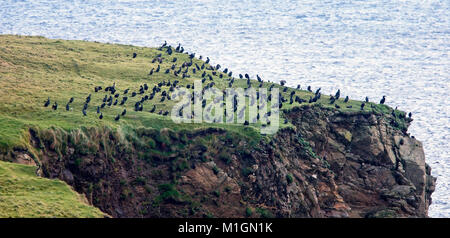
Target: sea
{"type": "Point", "coordinates": [397, 48]}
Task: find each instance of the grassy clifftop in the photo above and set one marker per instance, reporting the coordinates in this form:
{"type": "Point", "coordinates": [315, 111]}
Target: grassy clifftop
{"type": "Point", "coordinates": [33, 69]}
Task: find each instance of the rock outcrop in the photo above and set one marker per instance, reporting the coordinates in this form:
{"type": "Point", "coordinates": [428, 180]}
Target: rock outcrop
{"type": "Point", "coordinates": [329, 164]}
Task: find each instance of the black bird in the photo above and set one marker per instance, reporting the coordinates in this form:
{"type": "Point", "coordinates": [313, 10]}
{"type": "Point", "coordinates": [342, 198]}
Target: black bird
{"type": "Point", "coordinates": [383, 100]}
{"type": "Point", "coordinates": [338, 94]}
{"type": "Point", "coordinates": [67, 107]}
{"type": "Point", "coordinates": [126, 91]}
{"type": "Point", "coordinates": [47, 102]}
{"type": "Point", "coordinates": [240, 76]}
{"type": "Point", "coordinates": [410, 115]}
{"type": "Point", "coordinates": [362, 106]}
{"type": "Point", "coordinates": [317, 91]}
{"type": "Point", "coordinates": [165, 44]}
{"type": "Point", "coordinates": [157, 69]}
{"type": "Point", "coordinates": [98, 110]}
{"type": "Point", "coordinates": [153, 109]}
{"type": "Point", "coordinates": [332, 100]}
{"type": "Point", "coordinates": [117, 118]}
{"type": "Point", "coordinates": [309, 88]}
{"type": "Point", "coordinates": [134, 55]}
{"type": "Point", "coordinates": [55, 106]}
{"type": "Point", "coordinates": [367, 99]}
{"type": "Point", "coordinates": [346, 99]}
{"type": "Point", "coordinates": [84, 112]}
{"type": "Point", "coordinates": [174, 60]}
{"type": "Point", "coordinates": [393, 113]}
{"type": "Point", "coordinates": [71, 100]}
{"type": "Point", "coordinates": [151, 72]}
{"type": "Point", "coordinates": [207, 60]}
{"type": "Point", "coordinates": [88, 99]}
{"type": "Point", "coordinates": [124, 112]}
{"type": "Point", "coordinates": [259, 78]}
{"type": "Point", "coordinates": [101, 116]}
{"type": "Point", "coordinates": [247, 77]}
{"type": "Point", "coordinates": [282, 82]}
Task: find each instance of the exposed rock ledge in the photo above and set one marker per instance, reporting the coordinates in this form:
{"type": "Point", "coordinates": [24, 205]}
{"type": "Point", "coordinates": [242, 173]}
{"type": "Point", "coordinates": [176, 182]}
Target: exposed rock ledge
{"type": "Point", "coordinates": [331, 165]}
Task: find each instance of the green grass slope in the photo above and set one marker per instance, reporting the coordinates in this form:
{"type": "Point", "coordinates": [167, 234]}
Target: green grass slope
{"type": "Point", "coordinates": [23, 194]}
{"type": "Point", "coordinates": [33, 69]}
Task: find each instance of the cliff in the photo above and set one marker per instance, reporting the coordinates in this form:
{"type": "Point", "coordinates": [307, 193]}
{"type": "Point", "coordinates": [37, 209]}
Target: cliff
{"type": "Point", "coordinates": [330, 165]}
{"type": "Point", "coordinates": [325, 161]}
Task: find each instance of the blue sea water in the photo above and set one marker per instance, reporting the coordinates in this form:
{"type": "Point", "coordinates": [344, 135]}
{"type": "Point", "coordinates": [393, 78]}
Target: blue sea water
{"type": "Point", "coordinates": [397, 48]}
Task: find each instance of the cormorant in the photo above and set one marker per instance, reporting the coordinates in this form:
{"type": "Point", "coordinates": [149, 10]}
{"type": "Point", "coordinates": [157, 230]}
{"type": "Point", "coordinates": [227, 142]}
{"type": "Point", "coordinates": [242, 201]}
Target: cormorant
{"type": "Point", "coordinates": [124, 112]}
{"type": "Point", "coordinates": [134, 55]}
{"type": "Point", "coordinates": [338, 94]}
{"type": "Point", "coordinates": [117, 118]}
{"type": "Point", "coordinates": [55, 106]}
{"type": "Point", "coordinates": [383, 100]}
{"type": "Point", "coordinates": [47, 102]}
{"type": "Point", "coordinates": [153, 109]}
{"type": "Point", "coordinates": [346, 99]}
{"type": "Point", "coordinates": [101, 116]}
{"type": "Point", "coordinates": [71, 100]}
{"type": "Point", "coordinates": [362, 106]}
{"type": "Point", "coordinates": [259, 78]}
{"type": "Point", "coordinates": [367, 99]}
{"type": "Point", "coordinates": [317, 91]}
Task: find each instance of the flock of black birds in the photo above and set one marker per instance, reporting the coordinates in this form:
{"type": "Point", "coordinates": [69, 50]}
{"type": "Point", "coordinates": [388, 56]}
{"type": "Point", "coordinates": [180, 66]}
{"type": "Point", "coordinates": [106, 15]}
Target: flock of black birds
{"type": "Point", "coordinates": [163, 88]}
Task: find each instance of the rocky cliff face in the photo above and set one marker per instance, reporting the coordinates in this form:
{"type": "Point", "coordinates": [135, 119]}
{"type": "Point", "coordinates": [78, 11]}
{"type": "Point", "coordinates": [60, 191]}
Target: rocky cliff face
{"type": "Point", "coordinates": [379, 169]}
{"type": "Point", "coordinates": [330, 165]}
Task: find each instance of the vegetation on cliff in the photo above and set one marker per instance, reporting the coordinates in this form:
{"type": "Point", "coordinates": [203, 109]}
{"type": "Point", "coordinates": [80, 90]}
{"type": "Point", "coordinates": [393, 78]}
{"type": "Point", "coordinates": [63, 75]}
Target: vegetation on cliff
{"type": "Point", "coordinates": [84, 150]}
